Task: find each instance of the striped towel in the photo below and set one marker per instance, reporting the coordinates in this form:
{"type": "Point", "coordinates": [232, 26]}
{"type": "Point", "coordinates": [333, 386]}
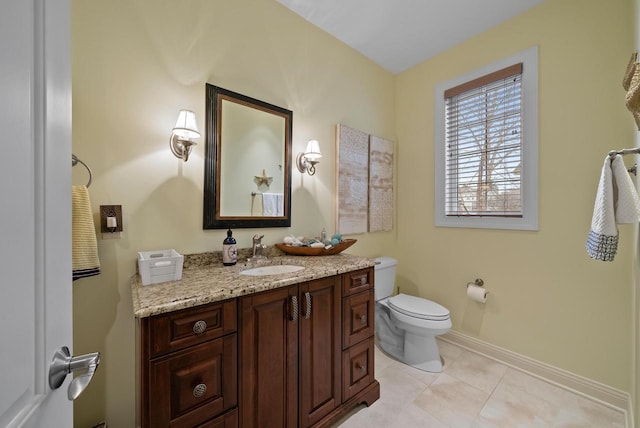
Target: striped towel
{"type": "Point", "coordinates": [616, 202]}
{"type": "Point", "coordinates": [84, 243]}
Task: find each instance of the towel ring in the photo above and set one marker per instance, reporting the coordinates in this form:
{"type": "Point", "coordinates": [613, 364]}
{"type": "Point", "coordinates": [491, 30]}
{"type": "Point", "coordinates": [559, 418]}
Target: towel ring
{"type": "Point", "coordinates": [634, 169]}
{"type": "Point", "coordinates": [74, 162]}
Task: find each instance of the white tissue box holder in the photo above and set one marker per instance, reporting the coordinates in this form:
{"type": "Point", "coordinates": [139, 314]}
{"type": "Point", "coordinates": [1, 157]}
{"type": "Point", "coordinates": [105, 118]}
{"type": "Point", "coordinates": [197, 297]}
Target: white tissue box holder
{"type": "Point", "coordinates": [160, 266]}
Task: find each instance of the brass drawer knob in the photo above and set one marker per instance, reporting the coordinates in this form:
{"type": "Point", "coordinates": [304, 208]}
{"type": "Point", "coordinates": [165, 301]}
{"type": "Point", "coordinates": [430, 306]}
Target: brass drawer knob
{"type": "Point", "coordinates": [199, 327]}
{"type": "Point", "coordinates": [199, 390]}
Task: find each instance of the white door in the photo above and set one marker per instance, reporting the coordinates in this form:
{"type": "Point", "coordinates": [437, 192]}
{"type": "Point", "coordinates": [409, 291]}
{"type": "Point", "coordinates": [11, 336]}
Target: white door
{"type": "Point", "coordinates": [35, 213]}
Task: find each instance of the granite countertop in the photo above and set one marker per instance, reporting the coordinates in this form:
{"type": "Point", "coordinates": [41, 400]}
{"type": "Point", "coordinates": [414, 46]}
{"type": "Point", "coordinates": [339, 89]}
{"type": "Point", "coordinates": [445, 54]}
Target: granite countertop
{"type": "Point", "coordinates": [206, 281]}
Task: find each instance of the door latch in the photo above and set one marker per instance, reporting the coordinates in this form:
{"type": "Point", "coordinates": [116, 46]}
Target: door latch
{"type": "Point", "coordinates": [63, 364]}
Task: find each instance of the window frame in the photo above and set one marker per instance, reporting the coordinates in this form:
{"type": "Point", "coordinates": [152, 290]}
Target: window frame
{"type": "Point", "coordinates": [529, 176]}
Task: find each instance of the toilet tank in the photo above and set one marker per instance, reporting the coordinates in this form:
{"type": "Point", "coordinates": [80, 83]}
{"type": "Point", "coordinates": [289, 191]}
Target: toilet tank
{"type": "Point", "coordinates": [385, 279]}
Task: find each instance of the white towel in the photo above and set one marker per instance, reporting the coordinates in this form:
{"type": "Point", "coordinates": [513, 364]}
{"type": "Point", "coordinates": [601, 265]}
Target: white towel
{"type": "Point", "coordinates": [273, 204]}
{"type": "Point", "coordinates": [269, 204]}
{"type": "Point", "coordinates": [280, 204]}
{"type": "Point", "coordinates": [611, 207]}
{"type": "Point", "coordinates": [627, 200]}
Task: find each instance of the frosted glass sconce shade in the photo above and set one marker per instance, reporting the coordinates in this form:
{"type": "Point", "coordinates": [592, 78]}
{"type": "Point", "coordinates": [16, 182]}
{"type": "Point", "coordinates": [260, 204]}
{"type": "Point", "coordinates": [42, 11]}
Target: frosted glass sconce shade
{"type": "Point", "coordinates": [182, 133]}
{"type": "Point", "coordinates": [306, 162]}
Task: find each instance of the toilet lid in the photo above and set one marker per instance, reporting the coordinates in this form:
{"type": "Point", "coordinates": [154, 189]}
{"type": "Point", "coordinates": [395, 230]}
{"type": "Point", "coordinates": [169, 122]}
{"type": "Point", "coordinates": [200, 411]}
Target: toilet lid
{"type": "Point", "coordinates": [418, 307]}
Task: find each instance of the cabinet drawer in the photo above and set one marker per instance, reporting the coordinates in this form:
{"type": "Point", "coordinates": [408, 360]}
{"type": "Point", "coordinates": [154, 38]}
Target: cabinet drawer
{"type": "Point", "coordinates": [195, 385]}
{"type": "Point", "coordinates": [357, 368]}
{"type": "Point", "coordinates": [357, 318]}
{"type": "Point", "coordinates": [228, 420]}
{"type": "Point", "coordinates": [357, 281]}
{"type": "Point", "coordinates": [180, 329]}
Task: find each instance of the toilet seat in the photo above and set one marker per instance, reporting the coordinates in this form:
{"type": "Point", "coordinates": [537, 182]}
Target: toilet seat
{"type": "Point", "coordinates": [418, 307]}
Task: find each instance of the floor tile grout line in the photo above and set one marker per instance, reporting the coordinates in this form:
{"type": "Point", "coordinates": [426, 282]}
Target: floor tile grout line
{"type": "Point", "coordinates": [534, 374]}
{"type": "Point", "coordinates": [424, 385]}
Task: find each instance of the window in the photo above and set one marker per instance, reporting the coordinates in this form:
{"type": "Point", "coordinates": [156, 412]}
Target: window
{"type": "Point", "coordinates": [486, 147]}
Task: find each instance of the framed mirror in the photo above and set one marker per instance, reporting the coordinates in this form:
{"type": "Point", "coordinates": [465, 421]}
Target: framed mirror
{"type": "Point", "coordinates": [247, 173]}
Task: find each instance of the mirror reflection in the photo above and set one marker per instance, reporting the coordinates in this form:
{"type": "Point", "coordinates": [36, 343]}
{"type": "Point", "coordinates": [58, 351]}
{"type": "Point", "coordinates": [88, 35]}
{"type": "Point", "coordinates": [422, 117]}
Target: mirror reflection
{"type": "Point", "coordinates": [247, 162]}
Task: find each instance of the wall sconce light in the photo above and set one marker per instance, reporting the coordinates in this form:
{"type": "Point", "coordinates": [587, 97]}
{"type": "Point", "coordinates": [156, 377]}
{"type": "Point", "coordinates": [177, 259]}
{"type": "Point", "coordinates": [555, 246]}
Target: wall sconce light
{"type": "Point", "coordinates": [182, 133]}
{"type": "Point", "coordinates": [307, 161]}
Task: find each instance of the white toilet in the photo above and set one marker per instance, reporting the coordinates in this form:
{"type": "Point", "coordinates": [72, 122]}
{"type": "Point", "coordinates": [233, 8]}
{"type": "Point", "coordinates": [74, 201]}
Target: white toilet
{"type": "Point", "coordinates": [407, 326]}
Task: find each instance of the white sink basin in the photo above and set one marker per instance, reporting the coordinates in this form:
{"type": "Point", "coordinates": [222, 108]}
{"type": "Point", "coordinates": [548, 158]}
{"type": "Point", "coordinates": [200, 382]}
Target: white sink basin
{"type": "Point", "coordinates": [271, 270]}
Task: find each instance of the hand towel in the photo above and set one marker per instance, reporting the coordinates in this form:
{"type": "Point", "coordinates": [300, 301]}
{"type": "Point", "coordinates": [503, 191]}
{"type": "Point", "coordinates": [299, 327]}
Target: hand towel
{"type": "Point", "coordinates": [280, 204]}
{"type": "Point", "coordinates": [627, 201]}
{"type": "Point", "coordinates": [611, 208]}
{"type": "Point", "coordinates": [269, 204]}
{"type": "Point", "coordinates": [272, 204]}
{"type": "Point", "coordinates": [85, 260]}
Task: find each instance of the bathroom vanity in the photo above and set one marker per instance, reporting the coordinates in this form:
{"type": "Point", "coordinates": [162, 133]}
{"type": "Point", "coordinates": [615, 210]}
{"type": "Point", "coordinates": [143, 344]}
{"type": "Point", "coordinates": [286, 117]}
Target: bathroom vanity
{"type": "Point", "coordinates": [223, 349]}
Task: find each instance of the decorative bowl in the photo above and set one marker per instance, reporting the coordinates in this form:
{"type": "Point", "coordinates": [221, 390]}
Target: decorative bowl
{"type": "Point", "coordinates": [311, 251]}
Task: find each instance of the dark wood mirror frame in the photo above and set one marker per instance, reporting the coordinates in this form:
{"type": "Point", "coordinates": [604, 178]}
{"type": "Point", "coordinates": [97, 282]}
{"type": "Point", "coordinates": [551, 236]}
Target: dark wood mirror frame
{"type": "Point", "coordinates": [213, 149]}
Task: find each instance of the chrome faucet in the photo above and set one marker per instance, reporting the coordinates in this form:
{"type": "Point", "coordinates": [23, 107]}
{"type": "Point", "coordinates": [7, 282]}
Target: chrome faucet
{"type": "Point", "coordinates": [258, 246]}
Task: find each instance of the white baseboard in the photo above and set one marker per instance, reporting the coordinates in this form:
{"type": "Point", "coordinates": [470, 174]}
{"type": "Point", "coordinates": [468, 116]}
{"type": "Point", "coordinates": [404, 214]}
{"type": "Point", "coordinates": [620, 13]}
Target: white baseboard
{"type": "Point", "coordinates": [593, 390]}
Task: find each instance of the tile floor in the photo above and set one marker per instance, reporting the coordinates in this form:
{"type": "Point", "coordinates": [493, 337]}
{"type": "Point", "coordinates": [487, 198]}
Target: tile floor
{"type": "Point", "coordinates": [474, 392]}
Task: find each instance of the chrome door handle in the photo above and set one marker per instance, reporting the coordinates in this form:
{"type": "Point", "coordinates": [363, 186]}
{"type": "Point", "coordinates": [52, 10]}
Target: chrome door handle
{"type": "Point", "coordinates": [307, 312]}
{"type": "Point", "coordinates": [63, 364]}
{"type": "Point", "coordinates": [294, 308]}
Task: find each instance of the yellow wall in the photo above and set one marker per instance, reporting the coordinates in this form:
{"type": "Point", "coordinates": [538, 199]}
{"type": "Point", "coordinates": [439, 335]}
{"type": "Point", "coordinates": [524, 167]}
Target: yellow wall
{"type": "Point", "coordinates": [135, 64]}
{"type": "Point", "coordinates": [547, 299]}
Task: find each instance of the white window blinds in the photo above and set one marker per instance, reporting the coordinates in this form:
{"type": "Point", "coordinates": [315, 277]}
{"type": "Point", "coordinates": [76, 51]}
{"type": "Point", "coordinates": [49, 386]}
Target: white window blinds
{"type": "Point", "coordinates": [483, 134]}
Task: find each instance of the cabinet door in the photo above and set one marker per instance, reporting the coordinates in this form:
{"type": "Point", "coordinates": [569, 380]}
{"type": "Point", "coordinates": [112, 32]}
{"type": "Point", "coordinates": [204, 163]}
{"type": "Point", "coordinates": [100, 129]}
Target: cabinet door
{"type": "Point", "coordinates": [320, 365]}
{"type": "Point", "coordinates": [269, 359]}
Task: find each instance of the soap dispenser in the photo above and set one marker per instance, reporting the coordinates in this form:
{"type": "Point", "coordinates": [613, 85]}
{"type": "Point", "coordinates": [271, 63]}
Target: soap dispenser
{"type": "Point", "coordinates": [229, 250]}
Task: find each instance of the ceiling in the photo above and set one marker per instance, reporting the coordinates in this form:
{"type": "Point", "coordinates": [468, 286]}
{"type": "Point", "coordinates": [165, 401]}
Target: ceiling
{"type": "Point", "coordinates": [398, 34]}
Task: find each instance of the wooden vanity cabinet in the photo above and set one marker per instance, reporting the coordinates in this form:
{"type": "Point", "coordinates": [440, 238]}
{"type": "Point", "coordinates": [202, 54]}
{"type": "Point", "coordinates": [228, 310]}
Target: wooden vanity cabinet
{"type": "Point", "coordinates": [189, 367]}
{"type": "Point", "coordinates": [296, 356]}
{"type": "Point", "coordinates": [290, 364]}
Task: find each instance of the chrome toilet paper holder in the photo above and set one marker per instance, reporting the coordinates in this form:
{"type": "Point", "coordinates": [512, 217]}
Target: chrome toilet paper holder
{"type": "Point", "coordinates": [479, 282]}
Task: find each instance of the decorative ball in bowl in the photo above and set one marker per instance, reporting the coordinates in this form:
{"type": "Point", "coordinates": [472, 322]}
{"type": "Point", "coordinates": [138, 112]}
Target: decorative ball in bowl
{"type": "Point", "coordinates": [312, 251]}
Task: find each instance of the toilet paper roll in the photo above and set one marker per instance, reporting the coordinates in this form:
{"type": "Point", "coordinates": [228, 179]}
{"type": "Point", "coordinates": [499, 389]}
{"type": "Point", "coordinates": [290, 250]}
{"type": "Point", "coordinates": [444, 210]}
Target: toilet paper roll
{"type": "Point", "coordinates": [479, 294]}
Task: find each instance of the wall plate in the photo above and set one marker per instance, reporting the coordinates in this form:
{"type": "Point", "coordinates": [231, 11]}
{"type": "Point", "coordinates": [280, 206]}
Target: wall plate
{"type": "Point", "coordinates": [110, 211]}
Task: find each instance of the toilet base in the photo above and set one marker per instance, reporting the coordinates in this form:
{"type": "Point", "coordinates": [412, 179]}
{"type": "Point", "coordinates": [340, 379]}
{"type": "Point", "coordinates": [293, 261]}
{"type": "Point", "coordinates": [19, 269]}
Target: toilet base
{"type": "Point", "coordinates": [420, 352]}
{"type": "Point", "coordinates": [414, 346]}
